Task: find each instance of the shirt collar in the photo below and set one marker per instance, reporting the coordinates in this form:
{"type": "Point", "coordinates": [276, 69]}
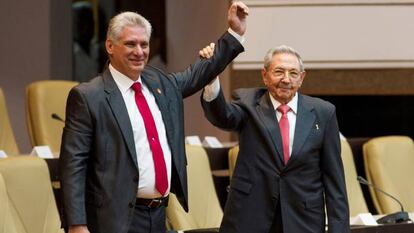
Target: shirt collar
{"type": "Point", "coordinates": [293, 103]}
{"type": "Point", "coordinates": [122, 81]}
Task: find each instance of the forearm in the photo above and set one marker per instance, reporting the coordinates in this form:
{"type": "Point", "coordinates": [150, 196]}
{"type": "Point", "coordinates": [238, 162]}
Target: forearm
{"type": "Point", "coordinates": [221, 114]}
{"type": "Point", "coordinates": [203, 71]}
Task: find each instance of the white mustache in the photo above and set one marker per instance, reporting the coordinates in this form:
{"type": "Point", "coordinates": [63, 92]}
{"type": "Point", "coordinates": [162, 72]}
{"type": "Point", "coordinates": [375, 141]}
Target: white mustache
{"type": "Point", "coordinates": [285, 87]}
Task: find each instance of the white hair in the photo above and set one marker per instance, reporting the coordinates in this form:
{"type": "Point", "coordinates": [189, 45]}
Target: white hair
{"type": "Point", "coordinates": [124, 19]}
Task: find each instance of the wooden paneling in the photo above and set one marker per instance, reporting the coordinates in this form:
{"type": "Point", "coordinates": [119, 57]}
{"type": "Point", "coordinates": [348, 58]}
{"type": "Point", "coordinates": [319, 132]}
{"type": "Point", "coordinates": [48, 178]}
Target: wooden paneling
{"type": "Point", "coordinates": [341, 82]}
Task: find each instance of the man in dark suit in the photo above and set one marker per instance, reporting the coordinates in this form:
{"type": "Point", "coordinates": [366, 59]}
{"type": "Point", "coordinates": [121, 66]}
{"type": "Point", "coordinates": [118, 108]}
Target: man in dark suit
{"type": "Point", "coordinates": [289, 165]}
{"type": "Point", "coordinates": [123, 142]}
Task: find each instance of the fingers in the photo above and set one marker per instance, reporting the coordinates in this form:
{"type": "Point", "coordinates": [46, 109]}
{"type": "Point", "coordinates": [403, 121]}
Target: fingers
{"type": "Point", "coordinates": [238, 8]}
{"type": "Point", "coordinates": [242, 9]}
{"type": "Point", "coordinates": [237, 17]}
{"type": "Point", "coordinates": [207, 51]}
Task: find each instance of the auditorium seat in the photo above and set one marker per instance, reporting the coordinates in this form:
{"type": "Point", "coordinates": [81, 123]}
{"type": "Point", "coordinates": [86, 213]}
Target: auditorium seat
{"type": "Point", "coordinates": [233, 152]}
{"type": "Point", "coordinates": [204, 206]}
{"type": "Point", "coordinates": [6, 221]}
{"type": "Point", "coordinates": [389, 163]}
{"type": "Point", "coordinates": [356, 198]}
{"type": "Point", "coordinates": [7, 140]}
{"type": "Point", "coordinates": [30, 201]}
{"type": "Point", "coordinates": [44, 98]}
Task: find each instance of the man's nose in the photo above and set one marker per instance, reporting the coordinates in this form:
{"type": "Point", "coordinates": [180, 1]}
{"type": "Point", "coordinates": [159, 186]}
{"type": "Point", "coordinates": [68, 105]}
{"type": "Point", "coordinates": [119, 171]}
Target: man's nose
{"type": "Point", "coordinates": [138, 50]}
{"type": "Point", "coordinates": [286, 77]}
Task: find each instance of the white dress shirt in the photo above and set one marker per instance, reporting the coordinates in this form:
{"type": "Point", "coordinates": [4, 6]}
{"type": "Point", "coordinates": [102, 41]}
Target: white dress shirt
{"type": "Point", "coordinates": [146, 187]}
{"type": "Point", "coordinates": [212, 90]}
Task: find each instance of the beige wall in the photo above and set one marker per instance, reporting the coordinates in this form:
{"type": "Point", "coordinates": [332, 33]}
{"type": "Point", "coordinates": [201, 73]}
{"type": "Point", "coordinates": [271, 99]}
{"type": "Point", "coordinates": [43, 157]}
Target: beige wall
{"type": "Point", "coordinates": [336, 34]}
{"type": "Point", "coordinates": [190, 26]}
{"type": "Point", "coordinates": [29, 54]}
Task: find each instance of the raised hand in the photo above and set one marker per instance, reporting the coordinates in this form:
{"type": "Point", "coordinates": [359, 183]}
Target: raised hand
{"type": "Point", "coordinates": [207, 51]}
{"type": "Point", "coordinates": [236, 17]}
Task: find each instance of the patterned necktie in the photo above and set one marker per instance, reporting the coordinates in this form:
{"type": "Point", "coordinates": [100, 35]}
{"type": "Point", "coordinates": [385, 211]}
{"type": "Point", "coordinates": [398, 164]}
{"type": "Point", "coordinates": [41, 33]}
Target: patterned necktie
{"type": "Point", "coordinates": [161, 178]}
{"type": "Point", "coordinates": [284, 130]}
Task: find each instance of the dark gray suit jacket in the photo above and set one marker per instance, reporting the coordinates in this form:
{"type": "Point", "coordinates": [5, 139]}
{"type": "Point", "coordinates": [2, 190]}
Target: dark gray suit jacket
{"type": "Point", "coordinates": [313, 176]}
{"type": "Point", "coordinates": [98, 161]}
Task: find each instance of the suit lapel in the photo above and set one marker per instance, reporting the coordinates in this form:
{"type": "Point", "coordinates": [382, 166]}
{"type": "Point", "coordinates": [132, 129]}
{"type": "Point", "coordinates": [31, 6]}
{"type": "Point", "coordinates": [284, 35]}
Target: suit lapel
{"type": "Point", "coordinates": [117, 105]}
{"type": "Point", "coordinates": [162, 101]}
{"type": "Point", "coordinates": [268, 116]}
{"type": "Point", "coordinates": [305, 119]}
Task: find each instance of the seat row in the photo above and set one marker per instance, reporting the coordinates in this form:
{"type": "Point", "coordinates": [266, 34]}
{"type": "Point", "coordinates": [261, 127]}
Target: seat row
{"type": "Point", "coordinates": [27, 202]}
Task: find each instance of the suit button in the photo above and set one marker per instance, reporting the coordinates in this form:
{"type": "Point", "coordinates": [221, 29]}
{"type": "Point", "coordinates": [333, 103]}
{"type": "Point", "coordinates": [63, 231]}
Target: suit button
{"type": "Point", "coordinates": [130, 205]}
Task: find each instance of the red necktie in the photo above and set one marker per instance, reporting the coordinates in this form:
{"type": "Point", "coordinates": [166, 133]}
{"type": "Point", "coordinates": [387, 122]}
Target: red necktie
{"type": "Point", "coordinates": [284, 130]}
{"type": "Point", "coordinates": [161, 178]}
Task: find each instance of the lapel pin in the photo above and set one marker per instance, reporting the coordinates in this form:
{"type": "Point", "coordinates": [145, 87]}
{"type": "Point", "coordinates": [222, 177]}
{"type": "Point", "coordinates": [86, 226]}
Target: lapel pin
{"type": "Point", "coordinates": [317, 127]}
{"type": "Point", "coordinates": [159, 91]}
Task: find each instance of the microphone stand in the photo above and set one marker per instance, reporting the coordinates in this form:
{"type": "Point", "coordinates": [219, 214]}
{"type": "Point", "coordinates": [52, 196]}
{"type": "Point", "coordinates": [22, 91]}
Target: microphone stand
{"type": "Point", "coordinates": [57, 117]}
{"type": "Point", "coordinates": [397, 217]}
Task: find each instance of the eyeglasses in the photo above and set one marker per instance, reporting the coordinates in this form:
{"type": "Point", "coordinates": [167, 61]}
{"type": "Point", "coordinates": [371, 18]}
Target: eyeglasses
{"type": "Point", "coordinates": [282, 73]}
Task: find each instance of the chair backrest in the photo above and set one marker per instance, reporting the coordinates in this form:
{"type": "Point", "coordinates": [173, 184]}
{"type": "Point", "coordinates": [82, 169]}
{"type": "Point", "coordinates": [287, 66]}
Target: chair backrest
{"type": "Point", "coordinates": [204, 206]}
{"type": "Point", "coordinates": [233, 152]}
{"type": "Point", "coordinates": [389, 165]}
{"type": "Point", "coordinates": [6, 220]}
{"type": "Point", "coordinates": [7, 140]}
{"type": "Point", "coordinates": [356, 198]}
{"type": "Point", "coordinates": [30, 197]}
{"type": "Point", "coordinates": [44, 98]}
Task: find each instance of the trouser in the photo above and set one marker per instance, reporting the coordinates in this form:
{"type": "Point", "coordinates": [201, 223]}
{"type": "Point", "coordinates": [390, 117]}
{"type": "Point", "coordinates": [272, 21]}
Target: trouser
{"type": "Point", "coordinates": [148, 220]}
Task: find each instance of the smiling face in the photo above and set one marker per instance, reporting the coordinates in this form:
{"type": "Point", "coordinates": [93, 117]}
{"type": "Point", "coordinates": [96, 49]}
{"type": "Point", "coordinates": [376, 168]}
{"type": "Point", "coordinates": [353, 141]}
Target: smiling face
{"type": "Point", "coordinates": [283, 77]}
{"type": "Point", "coordinates": [129, 53]}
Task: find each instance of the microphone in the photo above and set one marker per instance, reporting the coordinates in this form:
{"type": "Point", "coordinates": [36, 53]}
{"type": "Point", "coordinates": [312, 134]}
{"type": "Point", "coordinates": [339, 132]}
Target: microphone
{"type": "Point", "coordinates": [57, 117]}
{"type": "Point", "coordinates": [396, 217]}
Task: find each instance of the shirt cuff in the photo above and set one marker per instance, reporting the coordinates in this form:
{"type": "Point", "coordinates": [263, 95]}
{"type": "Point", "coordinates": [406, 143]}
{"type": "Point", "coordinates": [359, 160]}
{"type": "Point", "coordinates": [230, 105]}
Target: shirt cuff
{"type": "Point", "coordinates": [211, 91]}
{"type": "Point", "coordinates": [240, 38]}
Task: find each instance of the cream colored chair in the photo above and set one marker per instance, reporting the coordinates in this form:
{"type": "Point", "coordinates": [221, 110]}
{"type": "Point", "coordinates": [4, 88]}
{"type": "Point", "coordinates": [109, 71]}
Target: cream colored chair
{"type": "Point", "coordinates": [7, 140]}
{"type": "Point", "coordinates": [389, 165]}
{"type": "Point", "coordinates": [204, 206]}
{"type": "Point", "coordinates": [233, 152]}
{"type": "Point", "coordinates": [356, 198]}
{"type": "Point", "coordinates": [6, 220]}
{"type": "Point", "coordinates": [29, 195]}
{"type": "Point", "coordinates": [44, 98]}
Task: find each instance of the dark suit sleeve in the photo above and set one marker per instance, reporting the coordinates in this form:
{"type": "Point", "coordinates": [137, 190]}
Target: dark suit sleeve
{"type": "Point", "coordinates": [75, 148]}
{"type": "Point", "coordinates": [227, 116]}
{"type": "Point", "coordinates": [200, 73]}
{"type": "Point", "coordinates": [334, 179]}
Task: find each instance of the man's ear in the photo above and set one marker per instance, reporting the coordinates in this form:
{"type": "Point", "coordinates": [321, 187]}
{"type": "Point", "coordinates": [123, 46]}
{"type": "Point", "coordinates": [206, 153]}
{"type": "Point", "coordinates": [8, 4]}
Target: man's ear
{"type": "Point", "coordinates": [109, 46]}
{"type": "Point", "coordinates": [264, 73]}
{"type": "Point", "coordinates": [302, 77]}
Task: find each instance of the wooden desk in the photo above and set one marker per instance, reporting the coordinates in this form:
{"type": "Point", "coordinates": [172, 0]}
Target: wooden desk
{"type": "Point", "coordinates": [390, 228]}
